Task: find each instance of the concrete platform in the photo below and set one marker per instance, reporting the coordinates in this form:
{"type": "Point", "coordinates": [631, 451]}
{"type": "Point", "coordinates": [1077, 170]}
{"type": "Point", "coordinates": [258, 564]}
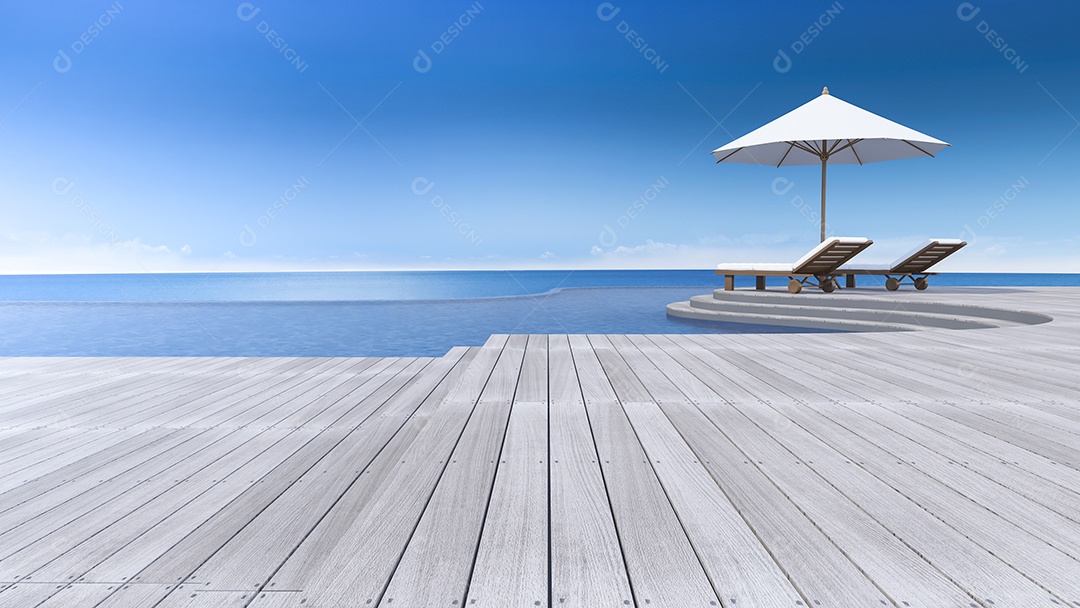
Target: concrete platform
{"type": "Point", "coordinates": [859, 309]}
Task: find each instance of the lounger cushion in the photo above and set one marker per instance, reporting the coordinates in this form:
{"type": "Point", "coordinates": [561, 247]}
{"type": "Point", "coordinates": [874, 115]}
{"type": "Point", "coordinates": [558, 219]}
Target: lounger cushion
{"type": "Point", "coordinates": [809, 257]}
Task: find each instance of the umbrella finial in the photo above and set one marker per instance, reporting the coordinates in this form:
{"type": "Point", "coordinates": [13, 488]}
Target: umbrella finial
{"type": "Point", "coordinates": [825, 91]}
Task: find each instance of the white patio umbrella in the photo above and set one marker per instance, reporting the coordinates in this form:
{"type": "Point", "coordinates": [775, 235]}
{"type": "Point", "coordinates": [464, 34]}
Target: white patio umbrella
{"type": "Point", "coordinates": [828, 130]}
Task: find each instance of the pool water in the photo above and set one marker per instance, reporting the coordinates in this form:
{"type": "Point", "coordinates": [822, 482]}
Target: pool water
{"type": "Point", "coordinates": [353, 314]}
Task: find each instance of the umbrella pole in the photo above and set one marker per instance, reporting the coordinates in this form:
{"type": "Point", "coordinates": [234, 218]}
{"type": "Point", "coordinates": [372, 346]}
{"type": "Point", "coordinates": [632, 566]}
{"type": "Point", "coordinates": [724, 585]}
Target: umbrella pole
{"type": "Point", "coordinates": [824, 161]}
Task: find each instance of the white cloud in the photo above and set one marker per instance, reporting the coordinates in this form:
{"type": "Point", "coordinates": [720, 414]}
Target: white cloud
{"type": "Point", "coordinates": [1012, 254]}
{"type": "Point", "coordinates": [43, 253]}
{"type": "Point", "coordinates": [705, 254]}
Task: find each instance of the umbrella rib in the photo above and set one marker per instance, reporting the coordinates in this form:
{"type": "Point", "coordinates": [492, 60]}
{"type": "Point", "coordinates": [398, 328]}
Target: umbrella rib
{"type": "Point", "coordinates": [729, 156]}
{"type": "Point", "coordinates": [850, 144]}
{"type": "Point", "coordinates": [805, 148]}
{"type": "Point", "coordinates": [856, 153]}
{"type": "Point", "coordinates": [790, 146]}
{"type": "Point", "coordinates": [917, 148]}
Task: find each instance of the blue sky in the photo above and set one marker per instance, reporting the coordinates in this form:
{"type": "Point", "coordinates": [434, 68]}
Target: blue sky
{"type": "Point", "coordinates": [268, 135]}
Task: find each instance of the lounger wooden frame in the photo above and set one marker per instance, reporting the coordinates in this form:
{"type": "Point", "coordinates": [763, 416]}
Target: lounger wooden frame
{"type": "Point", "coordinates": [912, 267]}
{"type": "Point", "coordinates": [818, 267]}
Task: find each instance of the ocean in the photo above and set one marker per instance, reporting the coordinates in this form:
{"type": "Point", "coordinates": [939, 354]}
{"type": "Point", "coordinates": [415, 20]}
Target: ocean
{"type": "Point", "coordinates": [358, 313]}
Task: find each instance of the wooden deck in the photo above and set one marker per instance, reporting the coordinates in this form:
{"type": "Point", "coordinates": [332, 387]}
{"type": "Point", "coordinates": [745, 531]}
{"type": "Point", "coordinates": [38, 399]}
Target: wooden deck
{"type": "Point", "coordinates": [918, 469]}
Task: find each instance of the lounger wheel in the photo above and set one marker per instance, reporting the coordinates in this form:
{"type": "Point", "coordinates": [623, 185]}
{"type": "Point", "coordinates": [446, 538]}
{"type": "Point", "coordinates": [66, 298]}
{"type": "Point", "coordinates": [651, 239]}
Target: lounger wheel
{"type": "Point", "coordinates": [921, 283]}
{"type": "Point", "coordinates": [828, 285]}
{"type": "Point", "coordinates": [794, 286]}
{"type": "Point", "coordinates": [892, 284]}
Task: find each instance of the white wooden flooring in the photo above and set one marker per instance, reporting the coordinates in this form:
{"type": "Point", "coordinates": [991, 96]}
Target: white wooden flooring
{"type": "Point", "coordinates": [923, 469]}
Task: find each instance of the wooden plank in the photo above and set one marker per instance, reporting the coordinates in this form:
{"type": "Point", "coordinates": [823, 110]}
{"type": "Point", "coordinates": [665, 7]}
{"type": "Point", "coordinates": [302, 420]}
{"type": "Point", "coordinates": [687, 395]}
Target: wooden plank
{"type": "Point", "coordinates": [335, 395]}
{"type": "Point", "coordinates": [76, 595]}
{"type": "Point", "coordinates": [208, 413]}
{"type": "Point", "coordinates": [90, 407]}
{"type": "Point", "coordinates": [72, 564]}
{"type": "Point", "coordinates": [971, 566]}
{"type": "Point", "coordinates": [897, 569]}
{"type": "Point", "coordinates": [930, 397]}
{"type": "Point", "coordinates": [343, 512]}
{"type": "Point", "coordinates": [132, 596]}
{"type": "Point", "coordinates": [13, 437]}
{"type": "Point", "coordinates": [64, 450]}
{"type": "Point", "coordinates": [348, 418]}
{"type": "Point", "coordinates": [587, 568]}
{"type": "Point", "coordinates": [48, 446]}
{"type": "Point", "coordinates": [58, 409]}
{"type": "Point", "coordinates": [105, 376]}
{"type": "Point", "coordinates": [191, 596]}
{"type": "Point", "coordinates": [982, 523]}
{"type": "Point", "coordinates": [435, 568]}
{"type": "Point", "coordinates": [267, 408]}
{"type": "Point", "coordinates": [28, 594]}
{"type": "Point", "coordinates": [662, 565]}
{"type": "Point", "coordinates": [152, 409]}
{"type": "Point", "coordinates": [921, 443]}
{"type": "Point", "coordinates": [1050, 443]}
{"type": "Point", "coordinates": [352, 554]}
{"type": "Point", "coordinates": [1000, 394]}
{"type": "Point", "coordinates": [257, 551]}
{"type": "Point", "coordinates": [73, 462]}
{"type": "Point", "coordinates": [216, 409]}
{"type": "Point", "coordinates": [511, 566]}
{"type": "Point", "coordinates": [36, 496]}
{"type": "Point", "coordinates": [740, 568]}
{"type": "Point", "coordinates": [981, 369]}
{"type": "Point", "coordinates": [958, 436]}
{"type": "Point", "coordinates": [1037, 542]}
{"type": "Point", "coordinates": [185, 556]}
{"type": "Point", "coordinates": [323, 387]}
{"type": "Point", "coordinates": [139, 541]}
{"type": "Point", "coordinates": [177, 563]}
{"type": "Point", "coordinates": [821, 570]}
{"type": "Point", "coordinates": [40, 539]}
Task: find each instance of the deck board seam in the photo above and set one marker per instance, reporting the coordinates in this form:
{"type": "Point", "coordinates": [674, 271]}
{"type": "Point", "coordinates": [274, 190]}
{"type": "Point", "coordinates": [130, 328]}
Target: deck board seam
{"type": "Point", "coordinates": [263, 508]}
{"type": "Point", "coordinates": [603, 478]}
{"type": "Point", "coordinates": [378, 596]}
{"type": "Point", "coordinates": [435, 387]}
{"type": "Point", "coordinates": [786, 496]}
{"type": "Point", "coordinates": [915, 441]}
{"type": "Point", "coordinates": [663, 488]}
{"type": "Point", "coordinates": [495, 476]}
{"type": "Point", "coordinates": [950, 525]}
{"type": "Point", "coordinates": [839, 491]}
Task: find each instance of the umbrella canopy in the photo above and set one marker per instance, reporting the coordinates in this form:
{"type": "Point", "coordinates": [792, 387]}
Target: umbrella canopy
{"type": "Point", "coordinates": [828, 130]}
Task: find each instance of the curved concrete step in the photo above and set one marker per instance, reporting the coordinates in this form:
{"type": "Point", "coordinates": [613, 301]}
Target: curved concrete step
{"type": "Point", "coordinates": [684, 310]}
{"type": "Point", "coordinates": [910, 305]}
{"type": "Point", "coordinates": [795, 308]}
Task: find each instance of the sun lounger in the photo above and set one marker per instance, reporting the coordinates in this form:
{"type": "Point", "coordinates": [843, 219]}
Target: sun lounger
{"type": "Point", "coordinates": [818, 266]}
{"type": "Point", "coordinates": [912, 266]}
